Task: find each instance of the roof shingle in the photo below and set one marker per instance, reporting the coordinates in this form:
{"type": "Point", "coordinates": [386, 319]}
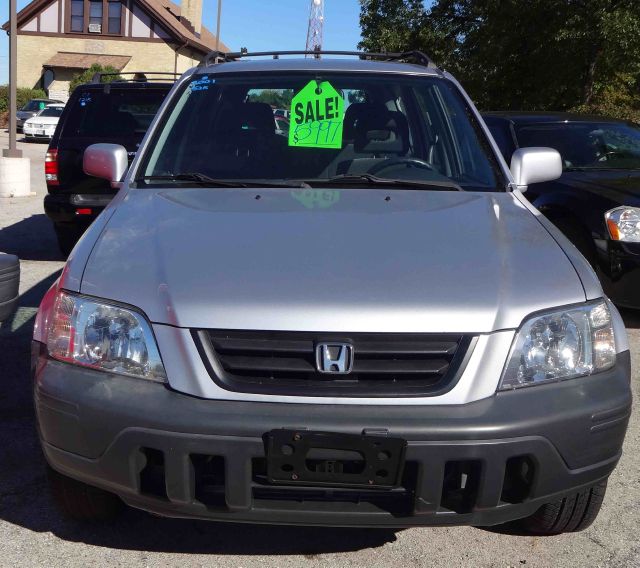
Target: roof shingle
{"type": "Point", "coordinates": [73, 60]}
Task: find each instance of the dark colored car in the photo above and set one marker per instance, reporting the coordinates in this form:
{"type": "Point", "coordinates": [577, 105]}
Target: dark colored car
{"type": "Point", "coordinates": [9, 282]}
{"type": "Point", "coordinates": [119, 113]}
{"type": "Point", "coordinates": [33, 107]}
{"type": "Point", "coordinates": [596, 201]}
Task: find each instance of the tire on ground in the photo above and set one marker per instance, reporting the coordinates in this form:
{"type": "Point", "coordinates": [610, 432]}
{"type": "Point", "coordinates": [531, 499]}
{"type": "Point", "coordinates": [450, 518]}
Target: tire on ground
{"type": "Point", "coordinates": [571, 514]}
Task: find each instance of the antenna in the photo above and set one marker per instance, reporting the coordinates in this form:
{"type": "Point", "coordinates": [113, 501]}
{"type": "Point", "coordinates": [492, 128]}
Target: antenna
{"type": "Point", "coordinates": [316, 22]}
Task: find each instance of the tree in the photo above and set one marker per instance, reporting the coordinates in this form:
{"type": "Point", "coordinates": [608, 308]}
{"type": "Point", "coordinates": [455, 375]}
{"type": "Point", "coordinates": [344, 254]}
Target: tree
{"type": "Point", "coordinates": [522, 55]}
{"type": "Point", "coordinates": [279, 98]}
{"type": "Point", "coordinates": [87, 75]}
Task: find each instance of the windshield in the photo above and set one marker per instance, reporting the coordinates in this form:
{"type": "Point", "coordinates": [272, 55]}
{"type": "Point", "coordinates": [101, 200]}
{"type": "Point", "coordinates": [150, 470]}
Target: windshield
{"type": "Point", "coordinates": [51, 111]}
{"type": "Point", "coordinates": [34, 105]}
{"type": "Point", "coordinates": [592, 145]}
{"type": "Point", "coordinates": [309, 128]}
{"type": "Point", "coordinates": [118, 115]}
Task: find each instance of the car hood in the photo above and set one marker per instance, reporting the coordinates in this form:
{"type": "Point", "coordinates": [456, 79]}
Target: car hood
{"type": "Point", "coordinates": [330, 260]}
{"type": "Point", "coordinates": [615, 184]}
{"type": "Point", "coordinates": [48, 120]}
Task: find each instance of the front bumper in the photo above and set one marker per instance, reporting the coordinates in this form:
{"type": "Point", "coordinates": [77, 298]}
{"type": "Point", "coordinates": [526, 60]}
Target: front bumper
{"type": "Point", "coordinates": [181, 456]}
{"type": "Point", "coordinates": [37, 134]}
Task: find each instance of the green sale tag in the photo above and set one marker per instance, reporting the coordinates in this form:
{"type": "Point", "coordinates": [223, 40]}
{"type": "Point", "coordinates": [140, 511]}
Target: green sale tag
{"type": "Point", "coordinates": [317, 114]}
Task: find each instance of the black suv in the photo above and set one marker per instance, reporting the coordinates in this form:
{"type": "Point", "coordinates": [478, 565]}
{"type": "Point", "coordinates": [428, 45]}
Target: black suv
{"type": "Point", "coordinates": [118, 112]}
{"type": "Point", "coordinates": [596, 201]}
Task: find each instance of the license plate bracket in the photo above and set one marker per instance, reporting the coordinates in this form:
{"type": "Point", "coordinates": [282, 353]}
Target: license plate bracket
{"type": "Point", "coordinates": [302, 457]}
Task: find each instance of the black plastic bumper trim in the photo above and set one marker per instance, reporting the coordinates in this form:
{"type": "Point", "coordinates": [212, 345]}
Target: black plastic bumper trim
{"type": "Point", "coordinates": [95, 426]}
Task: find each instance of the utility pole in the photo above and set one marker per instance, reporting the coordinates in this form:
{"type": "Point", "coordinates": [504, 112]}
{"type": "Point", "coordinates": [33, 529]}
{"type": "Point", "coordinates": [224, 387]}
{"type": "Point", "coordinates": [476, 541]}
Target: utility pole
{"type": "Point", "coordinates": [15, 172]}
{"type": "Point", "coordinates": [316, 23]}
{"type": "Point", "coordinates": [218, 26]}
{"type": "Point", "coordinates": [12, 151]}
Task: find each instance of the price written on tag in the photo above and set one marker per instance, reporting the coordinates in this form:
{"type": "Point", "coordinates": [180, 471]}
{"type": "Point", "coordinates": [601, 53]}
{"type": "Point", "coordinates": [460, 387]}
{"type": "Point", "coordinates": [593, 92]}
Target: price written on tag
{"type": "Point", "coordinates": [317, 113]}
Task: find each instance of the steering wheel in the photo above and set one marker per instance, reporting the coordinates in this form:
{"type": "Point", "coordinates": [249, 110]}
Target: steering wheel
{"type": "Point", "coordinates": [610, 154]}
{"type": "Point", "coordinates": [393, 162]}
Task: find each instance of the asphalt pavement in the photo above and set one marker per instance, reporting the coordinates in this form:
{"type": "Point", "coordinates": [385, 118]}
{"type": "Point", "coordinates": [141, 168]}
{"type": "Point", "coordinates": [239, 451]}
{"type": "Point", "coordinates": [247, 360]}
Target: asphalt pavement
{"type": "Point", "coordinates": [32, 532]}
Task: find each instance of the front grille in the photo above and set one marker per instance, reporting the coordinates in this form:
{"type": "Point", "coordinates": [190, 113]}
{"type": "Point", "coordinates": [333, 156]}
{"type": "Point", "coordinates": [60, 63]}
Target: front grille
{"type": "Point", "coordinates": [284, 363]}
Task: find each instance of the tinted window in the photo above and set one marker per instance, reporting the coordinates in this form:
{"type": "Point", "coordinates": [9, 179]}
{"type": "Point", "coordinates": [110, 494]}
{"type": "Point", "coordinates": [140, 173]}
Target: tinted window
{"type": "Point", "coordinates": [34, 105]}
{"type": "Point", "coordinates": [122, 114]}
{"type": "Point", "coordinates": [392, 126]}
{"type": "Point", "coordinates": [590, 145]}
{"type": "Point", "coordinates": [501, 132]}
{"type": "Point", "coordinates": [52, 111]}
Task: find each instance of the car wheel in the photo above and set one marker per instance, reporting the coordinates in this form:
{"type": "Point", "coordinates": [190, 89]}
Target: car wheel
{"type": "Point", "coordinates": [81, 501]}
{"type": "Point", "coordinates": [578, 236]}
{"type": "Point", "coordinates": [571, 514]}
{"type": "Point", "coordinates": [67, 238]}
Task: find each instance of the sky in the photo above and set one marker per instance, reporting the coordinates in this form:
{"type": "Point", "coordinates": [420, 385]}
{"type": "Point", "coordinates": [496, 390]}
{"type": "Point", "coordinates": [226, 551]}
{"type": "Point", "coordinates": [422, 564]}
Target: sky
{"type": "Point", "coordinates": [259, 25]}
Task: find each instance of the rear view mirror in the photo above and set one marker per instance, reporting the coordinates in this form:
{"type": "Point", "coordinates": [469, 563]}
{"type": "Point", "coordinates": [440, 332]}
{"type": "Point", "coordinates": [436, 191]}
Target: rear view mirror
{"type": "Point", "coordinates": [535, 165]}
{"type": "Point", "coordinates": [106, 161]}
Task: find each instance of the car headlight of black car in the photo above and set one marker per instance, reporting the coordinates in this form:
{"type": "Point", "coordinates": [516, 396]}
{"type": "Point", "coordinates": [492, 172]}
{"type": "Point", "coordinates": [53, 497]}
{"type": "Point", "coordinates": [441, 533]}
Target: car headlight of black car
{"type": "Point", "coordinates": [623, 224]}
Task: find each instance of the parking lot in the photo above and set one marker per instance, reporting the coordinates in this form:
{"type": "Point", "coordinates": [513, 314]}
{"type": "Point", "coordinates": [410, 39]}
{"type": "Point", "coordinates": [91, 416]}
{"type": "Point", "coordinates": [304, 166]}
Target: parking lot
{"type": "Point", "coordinates": [33, 534]}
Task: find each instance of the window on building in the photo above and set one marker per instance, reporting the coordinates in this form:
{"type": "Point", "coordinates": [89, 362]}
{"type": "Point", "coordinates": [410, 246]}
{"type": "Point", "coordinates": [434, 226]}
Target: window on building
{"type": "Point", "coordinates": [96, 16]}
{"type": "Point", "coordinates": [77, 15]}
{"type": "Point", "coordinates": [115, 17]}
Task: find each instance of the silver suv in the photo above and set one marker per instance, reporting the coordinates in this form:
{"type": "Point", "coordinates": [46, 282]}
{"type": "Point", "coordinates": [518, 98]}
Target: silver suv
{"type": "Point", "coordinates": [360, 321]}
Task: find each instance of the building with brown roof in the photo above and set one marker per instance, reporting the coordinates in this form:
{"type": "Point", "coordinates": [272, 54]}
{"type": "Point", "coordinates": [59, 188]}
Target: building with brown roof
{"type": "Point", "coordinates": [59, 38]}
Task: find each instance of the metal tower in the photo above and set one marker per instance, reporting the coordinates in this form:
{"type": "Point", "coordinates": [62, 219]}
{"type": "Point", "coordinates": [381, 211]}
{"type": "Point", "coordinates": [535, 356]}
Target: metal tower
{"type": "Point", "coordinates": [316, 22]}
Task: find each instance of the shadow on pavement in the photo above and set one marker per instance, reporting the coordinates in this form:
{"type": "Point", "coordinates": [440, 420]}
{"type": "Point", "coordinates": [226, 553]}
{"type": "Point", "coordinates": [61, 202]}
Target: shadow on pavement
{"type": "Point", "coordinates": [136, 530]}
{"type": "Point", "coordinates": [32, 238]}
{"type": "Point", "coordinates": [25, 499]}
{"type": "Point", "coordinates": [511, 529]}
{"type": "Point", "coordinates": [32, 140]}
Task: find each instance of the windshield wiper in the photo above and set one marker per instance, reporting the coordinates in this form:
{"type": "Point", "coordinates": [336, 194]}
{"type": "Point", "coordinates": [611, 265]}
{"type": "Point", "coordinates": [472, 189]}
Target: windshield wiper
{"type": "Point", "coordinates": [192, 176]}
{"type": "Point", "coordinates": [375, 180]}
{"type": "Point", "coordinates": [203, 179]}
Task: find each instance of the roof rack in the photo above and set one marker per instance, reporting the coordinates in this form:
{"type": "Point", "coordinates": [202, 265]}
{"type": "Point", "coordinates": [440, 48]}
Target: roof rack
{"type": "Point", "coordinates": [415, 56]}
{"type": "Point", "coordinates": [138, 77]}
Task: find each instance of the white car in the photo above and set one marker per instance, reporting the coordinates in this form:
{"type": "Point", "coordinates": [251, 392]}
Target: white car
{"type": "Point", "coordinates": [43, 124]}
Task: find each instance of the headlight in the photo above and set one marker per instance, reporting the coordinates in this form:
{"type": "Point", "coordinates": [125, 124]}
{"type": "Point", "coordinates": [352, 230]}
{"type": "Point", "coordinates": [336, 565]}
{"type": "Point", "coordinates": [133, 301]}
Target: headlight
{"type": "Point", "coordinates": [561, 345]}
{"type": "Point", "coordinates": [623, 224]}
{"type": "Point", "coordinates": [102, 336]}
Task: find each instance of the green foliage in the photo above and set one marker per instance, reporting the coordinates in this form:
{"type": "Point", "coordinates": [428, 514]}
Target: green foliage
{"type": "Point", "coordinates": [23, 96]}
{"type": "Point", "coordinates": [617, 99]}
{"type": "Point", "coordinates": [533, 55]}
{"type": "Point", "coordinates": [279, 98]}
{"type": "Point", "coordinates": [87, 75]}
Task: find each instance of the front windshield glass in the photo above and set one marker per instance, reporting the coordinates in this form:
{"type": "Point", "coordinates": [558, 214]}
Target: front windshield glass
{"type": "Point", "coordinates": [314, 128]}
{"type": "Point", "coordinates": [34, 105]}
{"type": "Point", "coordinates": [587, 145]}
{"type": "Point", "coordinates": [51, 111]}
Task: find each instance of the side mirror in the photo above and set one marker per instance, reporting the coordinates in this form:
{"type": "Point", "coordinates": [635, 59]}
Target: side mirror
{"type": "Point", "coordinates": [535, 165]}
{"type": "Point", "coordinates": [106, 161]}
